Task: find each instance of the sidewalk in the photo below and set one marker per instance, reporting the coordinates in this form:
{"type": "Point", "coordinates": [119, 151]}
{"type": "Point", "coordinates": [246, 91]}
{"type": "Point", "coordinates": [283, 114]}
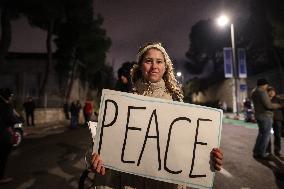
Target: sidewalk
{"type": "Point", "coordinates": [229, 118]}
{"type": "Point", "coordinates": [45, 128]}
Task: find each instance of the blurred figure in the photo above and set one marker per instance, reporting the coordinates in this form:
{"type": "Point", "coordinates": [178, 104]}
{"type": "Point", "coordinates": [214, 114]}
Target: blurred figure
{"type": "Point", "coordinates": [29, 107]}
{"type": "Point", "coordinates": [88, 111]}
{"type": "Point", "coordinates": [7, 121]}
{"type": "Point", "coordinates": [66, 110]}
{"type": "Point", "coordinates": [222, 105]}
{"type": "Point", "coordinates": [277, 123]}
{"type": "Point", "coordinates": [264, 117]}
{"type": "Point", "coordinates": [123, 83]}
{"type": "Point", "coordinates": [249, 116]}
{"type": "Point", "coordinates": [75, 111]}
{"type": "Point", "coordinates": [247, 104]}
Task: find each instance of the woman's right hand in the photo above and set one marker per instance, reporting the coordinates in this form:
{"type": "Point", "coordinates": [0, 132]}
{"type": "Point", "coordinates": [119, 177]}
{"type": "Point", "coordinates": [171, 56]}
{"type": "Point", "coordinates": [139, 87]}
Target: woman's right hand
{"type": "Point", "coordinates": [97, 164]}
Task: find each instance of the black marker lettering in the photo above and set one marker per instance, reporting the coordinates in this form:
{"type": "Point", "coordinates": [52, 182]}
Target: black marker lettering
{"type": "Point", "coordinates": [154, 114]}
{"type": "Point", "coordinates": [107, 125]}
{"type": "Point", "coordinates": [126, 131]}
{"type": "Point", "coordinates": [194, 149]}
{"type": "Point", "coordinates": [168, 143]}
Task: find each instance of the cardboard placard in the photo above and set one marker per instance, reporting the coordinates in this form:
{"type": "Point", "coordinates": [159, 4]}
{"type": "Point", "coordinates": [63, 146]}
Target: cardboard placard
{"type": "Point", "coordinates": [158, 139]}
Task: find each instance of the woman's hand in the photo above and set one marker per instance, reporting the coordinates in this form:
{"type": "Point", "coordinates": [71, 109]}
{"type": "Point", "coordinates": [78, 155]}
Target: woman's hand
{"type": "Point", "coordinates": [97, 164]}
{"type": "Point", "coordinates": [217, 158]}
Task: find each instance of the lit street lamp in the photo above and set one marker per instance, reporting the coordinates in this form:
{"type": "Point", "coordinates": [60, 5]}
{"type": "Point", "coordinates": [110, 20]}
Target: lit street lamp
{"type": "Point", "coordinates": [178, 74]}
{"type": "Point", "coordinates": [180, 78]}
{"type": "Point", "coordinates": [223, 21]}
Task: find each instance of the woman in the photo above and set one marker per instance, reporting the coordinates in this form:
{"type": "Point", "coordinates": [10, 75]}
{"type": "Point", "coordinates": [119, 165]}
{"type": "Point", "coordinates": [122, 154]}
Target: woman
{"type": "Point", "coordinates": [277, 123]}
{"type": "Point", "coordinates": [153, 76]}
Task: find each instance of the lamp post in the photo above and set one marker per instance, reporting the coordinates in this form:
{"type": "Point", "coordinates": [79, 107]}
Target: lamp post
{"type": "Point", "coordinates": [180, 78]}
{"type": "Point", "coordinates": [223, 21]}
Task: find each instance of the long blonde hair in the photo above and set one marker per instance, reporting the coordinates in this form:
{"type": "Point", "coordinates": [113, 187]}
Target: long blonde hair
{"type": "Point", "coordinates": [169, 77]}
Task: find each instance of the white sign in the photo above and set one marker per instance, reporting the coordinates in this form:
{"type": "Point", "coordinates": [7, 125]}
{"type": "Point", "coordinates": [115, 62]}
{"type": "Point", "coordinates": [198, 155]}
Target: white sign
{"type": "Point", "coordinates": [158, 139]}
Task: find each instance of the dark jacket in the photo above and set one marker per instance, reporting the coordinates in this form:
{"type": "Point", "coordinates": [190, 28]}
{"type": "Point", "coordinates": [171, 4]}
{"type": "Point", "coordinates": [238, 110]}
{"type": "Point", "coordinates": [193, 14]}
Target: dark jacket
{"type": "Point", "coordinates": [262, 104]}
{"type": "Point", "coordinates": [278, 114]}
{"type": "Point", "coordinates": [7, 120]}
{"type": "Point", "coordinates": [75, 109]}
{"type": "Point", "coordinates": [29, 106]}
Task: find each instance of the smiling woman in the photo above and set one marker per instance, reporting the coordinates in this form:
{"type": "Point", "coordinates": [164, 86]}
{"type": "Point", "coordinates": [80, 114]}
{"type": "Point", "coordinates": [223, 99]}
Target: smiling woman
{"type": "Point", "coordinates": [153, 65]}
{"type": "Point", "coordinates": [152, 76]}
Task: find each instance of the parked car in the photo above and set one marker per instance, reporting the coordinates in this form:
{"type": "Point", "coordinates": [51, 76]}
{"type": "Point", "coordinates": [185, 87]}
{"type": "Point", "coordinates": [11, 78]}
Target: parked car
{"type": "Point", "coordinates": [18, 133]}
{"type": "Point", "coordinates": [18, 129]}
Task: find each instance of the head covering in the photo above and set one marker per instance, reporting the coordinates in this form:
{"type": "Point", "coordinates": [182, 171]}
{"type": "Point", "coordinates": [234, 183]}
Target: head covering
{"type": "Point", "coordinates": [124, 70]}
{"type": "Point", "coordinates": [171, 83]}
{"type": "Point", "coordinates": [262, 81]}
{"type": "Point", "coordinates": [6, 93]}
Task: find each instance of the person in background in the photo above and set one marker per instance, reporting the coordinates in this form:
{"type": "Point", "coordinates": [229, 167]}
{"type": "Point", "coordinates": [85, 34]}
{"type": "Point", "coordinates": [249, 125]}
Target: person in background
{"type": "Point", "coordinates": [88, 111]}
{"type": "Point", "coordinates": [277, 123]}
{"type": "Point", "coordinates": [29, 107]}
{"type": "Point", "coordinates": [247, 104]}
{"type": "Point", "coordinates": [75, 111]}
{"type": "Point", "coordinates": [264, 116]}
{"type": "Point", "coordinates": [248, 110]}
{"type": "Point", "coordinates": [7, 120]}
{"type": "Point", "coordinates": [153, 76]}
{"type": "Point", "coordinates": [66, 110]}
{"type": "Point", "coordinates": [123, 83]}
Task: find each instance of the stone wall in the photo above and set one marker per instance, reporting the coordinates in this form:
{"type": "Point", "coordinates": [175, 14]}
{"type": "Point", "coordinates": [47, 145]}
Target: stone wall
{"type": "Point", "coordinates": [24, 72]}
{"type": "Point", "coordinates": [49, 116]}
{"type": "Point", "coordinates": [222, 92]}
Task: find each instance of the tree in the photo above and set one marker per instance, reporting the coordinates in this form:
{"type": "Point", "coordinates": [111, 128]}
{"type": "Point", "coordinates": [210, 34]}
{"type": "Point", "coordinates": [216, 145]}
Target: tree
{"type": "Point", "coordinates": [206, 43]}
{"type": "Point", "coordinates": [206, 49]}
{"type": "Point", "coordinates": [81, 46]}
{"type": "Point", "coordinates": [44, 14]}
{"type": "Point", "coordinates": [8, 12]}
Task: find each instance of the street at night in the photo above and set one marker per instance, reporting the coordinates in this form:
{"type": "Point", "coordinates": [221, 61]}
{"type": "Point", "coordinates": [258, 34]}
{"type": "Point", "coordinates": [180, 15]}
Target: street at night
{"type": "Point", "coordinates": [198, 85]}
{"type": "Point", "coordinates": [56, 161]}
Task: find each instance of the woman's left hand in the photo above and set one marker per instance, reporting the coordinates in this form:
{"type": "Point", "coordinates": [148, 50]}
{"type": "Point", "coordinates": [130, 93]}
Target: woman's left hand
{"type": "Point", "coordinates": [217, 158]}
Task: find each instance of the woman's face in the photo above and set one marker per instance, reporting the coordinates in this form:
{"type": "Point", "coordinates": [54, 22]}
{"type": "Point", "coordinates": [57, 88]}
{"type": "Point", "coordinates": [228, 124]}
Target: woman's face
{"type": "Point", "coordinates": [271, 93]}
{"type": "Point", "coordinates": [153, 65]}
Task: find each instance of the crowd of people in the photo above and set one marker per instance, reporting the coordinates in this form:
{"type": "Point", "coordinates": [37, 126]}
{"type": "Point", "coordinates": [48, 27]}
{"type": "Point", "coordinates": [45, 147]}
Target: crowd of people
{"type": "Point", "coordinates": [73, 110]}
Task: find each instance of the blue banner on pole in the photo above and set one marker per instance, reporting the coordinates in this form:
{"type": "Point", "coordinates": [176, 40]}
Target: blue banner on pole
{"type": "Point", "coordinates": [242, 63]}
{"type": "Point", "coordinates": [228, 62]}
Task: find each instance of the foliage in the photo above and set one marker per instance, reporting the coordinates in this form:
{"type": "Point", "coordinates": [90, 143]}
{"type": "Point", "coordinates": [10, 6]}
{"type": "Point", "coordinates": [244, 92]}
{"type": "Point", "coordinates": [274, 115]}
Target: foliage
{"type": "Point", "coordinates": [82, 45]}
{"type": "Point", "coordinates": [102, 78]}
{"type": "Point", "coordinates": [256, 34]}
{"type": "Point", "coordinates": [8, 11]}
{"type": "Point", "coordinates": [81, 42]}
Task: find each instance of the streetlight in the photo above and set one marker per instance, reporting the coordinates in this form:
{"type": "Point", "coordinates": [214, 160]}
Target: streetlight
{"type": "Point", "coordinates": [222, 21]}
{"type": "Point", "coordinates": [180, 78]}
{"type": "Point", "coordinates": [178, 74]}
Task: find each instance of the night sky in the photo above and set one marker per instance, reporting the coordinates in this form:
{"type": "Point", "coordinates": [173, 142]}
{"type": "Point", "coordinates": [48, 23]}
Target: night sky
{"type": "Point", "coordinates": [131, 23]}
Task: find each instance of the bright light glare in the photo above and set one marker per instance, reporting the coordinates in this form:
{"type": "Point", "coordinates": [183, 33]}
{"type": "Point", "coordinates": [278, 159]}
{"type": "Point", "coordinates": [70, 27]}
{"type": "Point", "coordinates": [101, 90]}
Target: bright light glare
{"type": "Point", "coordinates": [222, 20]}
{"type": "Point", "coordinates": [178, 74]}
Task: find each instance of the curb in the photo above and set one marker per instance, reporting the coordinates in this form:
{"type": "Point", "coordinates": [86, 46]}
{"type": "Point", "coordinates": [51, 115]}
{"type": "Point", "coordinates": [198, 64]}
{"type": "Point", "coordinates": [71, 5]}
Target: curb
{"type": "Point", "coordinates": [243, 123]}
